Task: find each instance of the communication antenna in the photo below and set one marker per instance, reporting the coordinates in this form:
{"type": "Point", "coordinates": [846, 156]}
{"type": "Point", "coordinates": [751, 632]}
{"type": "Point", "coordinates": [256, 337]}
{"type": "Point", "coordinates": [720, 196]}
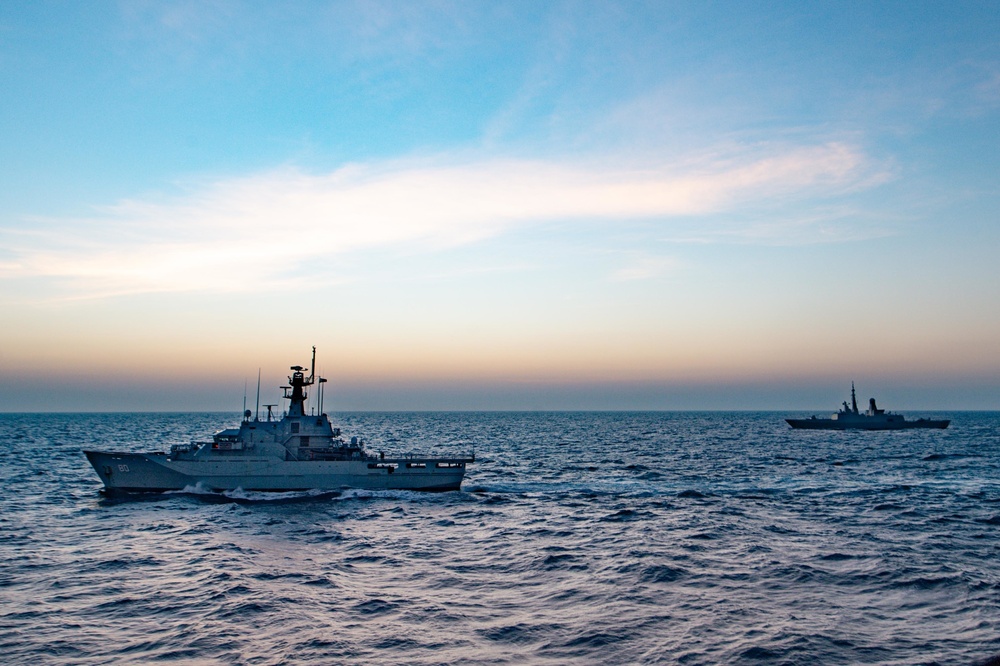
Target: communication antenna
{"type": "Point", "coordinates": [244, 399]}
{"type": "Point", "coordinates": [257, 408]}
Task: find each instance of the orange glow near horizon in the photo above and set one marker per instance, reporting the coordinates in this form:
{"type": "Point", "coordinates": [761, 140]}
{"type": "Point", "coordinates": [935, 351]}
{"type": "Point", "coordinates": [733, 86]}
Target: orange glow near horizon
{"type": "Point", "coordinates": [649, 357]}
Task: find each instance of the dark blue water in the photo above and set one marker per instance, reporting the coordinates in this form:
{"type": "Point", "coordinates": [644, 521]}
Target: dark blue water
{"type": "Point", "coordinates": [578, 538]}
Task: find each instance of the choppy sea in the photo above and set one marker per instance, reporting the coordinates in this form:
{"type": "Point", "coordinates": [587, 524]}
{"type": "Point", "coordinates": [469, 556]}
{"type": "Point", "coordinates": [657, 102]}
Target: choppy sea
{"type": "Point", "coordinates": [578, 538]}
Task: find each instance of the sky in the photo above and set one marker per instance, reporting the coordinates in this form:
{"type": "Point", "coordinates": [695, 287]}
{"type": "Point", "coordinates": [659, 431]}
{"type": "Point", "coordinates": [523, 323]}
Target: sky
{"type": "Point", "coordinates": [500, 205]}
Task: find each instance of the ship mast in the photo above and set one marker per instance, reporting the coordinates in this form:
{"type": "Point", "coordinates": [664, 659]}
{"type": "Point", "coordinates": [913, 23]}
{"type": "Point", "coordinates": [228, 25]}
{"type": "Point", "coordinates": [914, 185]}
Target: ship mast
{"type": "Point", "coordinates": [298, 382]}
{"type": "Point", "coordinates": [854, 398]}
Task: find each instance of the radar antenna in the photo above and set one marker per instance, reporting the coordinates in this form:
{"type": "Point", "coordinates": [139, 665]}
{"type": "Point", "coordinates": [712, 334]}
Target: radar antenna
{"type": "Point", "coordinates": [298, 382]}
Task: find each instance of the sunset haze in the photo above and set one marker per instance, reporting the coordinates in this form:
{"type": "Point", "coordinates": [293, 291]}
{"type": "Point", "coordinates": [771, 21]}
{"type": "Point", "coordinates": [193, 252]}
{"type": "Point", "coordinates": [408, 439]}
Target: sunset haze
{"type": "Point", "coordinates": [500, 205]}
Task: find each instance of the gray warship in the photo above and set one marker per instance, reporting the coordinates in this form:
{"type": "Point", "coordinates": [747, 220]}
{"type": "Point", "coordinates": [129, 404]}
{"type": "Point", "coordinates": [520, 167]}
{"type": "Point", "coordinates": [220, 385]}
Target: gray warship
{"type": "Point", "coordinates": [299, 451]}
{"type": "Point", "coordinates": [849, 418]}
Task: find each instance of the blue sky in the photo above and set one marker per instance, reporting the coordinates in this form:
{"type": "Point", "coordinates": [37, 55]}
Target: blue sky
{"type": "Point", "coordinates": [500, 205]}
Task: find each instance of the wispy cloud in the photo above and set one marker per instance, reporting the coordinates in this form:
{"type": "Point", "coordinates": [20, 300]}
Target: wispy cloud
{"type": "Point", "coordinates": [267, 229]}
{"type": "Point", "coordinates": [643, 266]}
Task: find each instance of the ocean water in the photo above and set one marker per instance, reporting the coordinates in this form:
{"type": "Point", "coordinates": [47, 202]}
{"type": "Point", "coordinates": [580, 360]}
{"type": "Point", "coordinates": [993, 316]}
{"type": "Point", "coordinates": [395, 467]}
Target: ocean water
{"type": "Point", "coordinates": [578, 538]}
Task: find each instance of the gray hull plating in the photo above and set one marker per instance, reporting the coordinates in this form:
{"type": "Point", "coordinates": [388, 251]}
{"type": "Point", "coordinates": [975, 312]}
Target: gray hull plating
{"type": "Point", "coordinates": [156, 472]}
{"type": "Point", "coordinates": [866, 423]}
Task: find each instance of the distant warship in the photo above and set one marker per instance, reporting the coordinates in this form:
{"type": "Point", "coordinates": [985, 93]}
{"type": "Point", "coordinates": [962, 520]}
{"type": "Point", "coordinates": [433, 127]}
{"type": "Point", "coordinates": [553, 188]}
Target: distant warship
{"type": "Point", "coordinates": [849, 418]}
{"type": "Point", "coordinates": [299, 451]}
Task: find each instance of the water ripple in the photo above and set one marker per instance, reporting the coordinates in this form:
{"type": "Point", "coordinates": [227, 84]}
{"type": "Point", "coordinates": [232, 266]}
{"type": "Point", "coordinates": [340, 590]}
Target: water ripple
{"type": "Point", "coordinates": [647, 538]}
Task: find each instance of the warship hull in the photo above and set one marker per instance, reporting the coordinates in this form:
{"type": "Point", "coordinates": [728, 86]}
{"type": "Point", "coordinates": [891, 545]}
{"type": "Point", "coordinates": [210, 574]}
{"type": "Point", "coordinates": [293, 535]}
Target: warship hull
{"type": "Point", "coordinates": [157, 472]}
{"type": "Point", "coordinates": [851, 418]}
{"type": "Point", "coordinates": [864, 424]}
{"type": "Point", "coordinates": [299, 451]}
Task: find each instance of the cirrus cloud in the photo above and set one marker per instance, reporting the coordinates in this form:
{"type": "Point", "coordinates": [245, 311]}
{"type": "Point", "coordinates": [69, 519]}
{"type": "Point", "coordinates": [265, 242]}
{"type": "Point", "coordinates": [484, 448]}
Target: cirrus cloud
{"type": "Point", "coordinates": [246, 232]}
